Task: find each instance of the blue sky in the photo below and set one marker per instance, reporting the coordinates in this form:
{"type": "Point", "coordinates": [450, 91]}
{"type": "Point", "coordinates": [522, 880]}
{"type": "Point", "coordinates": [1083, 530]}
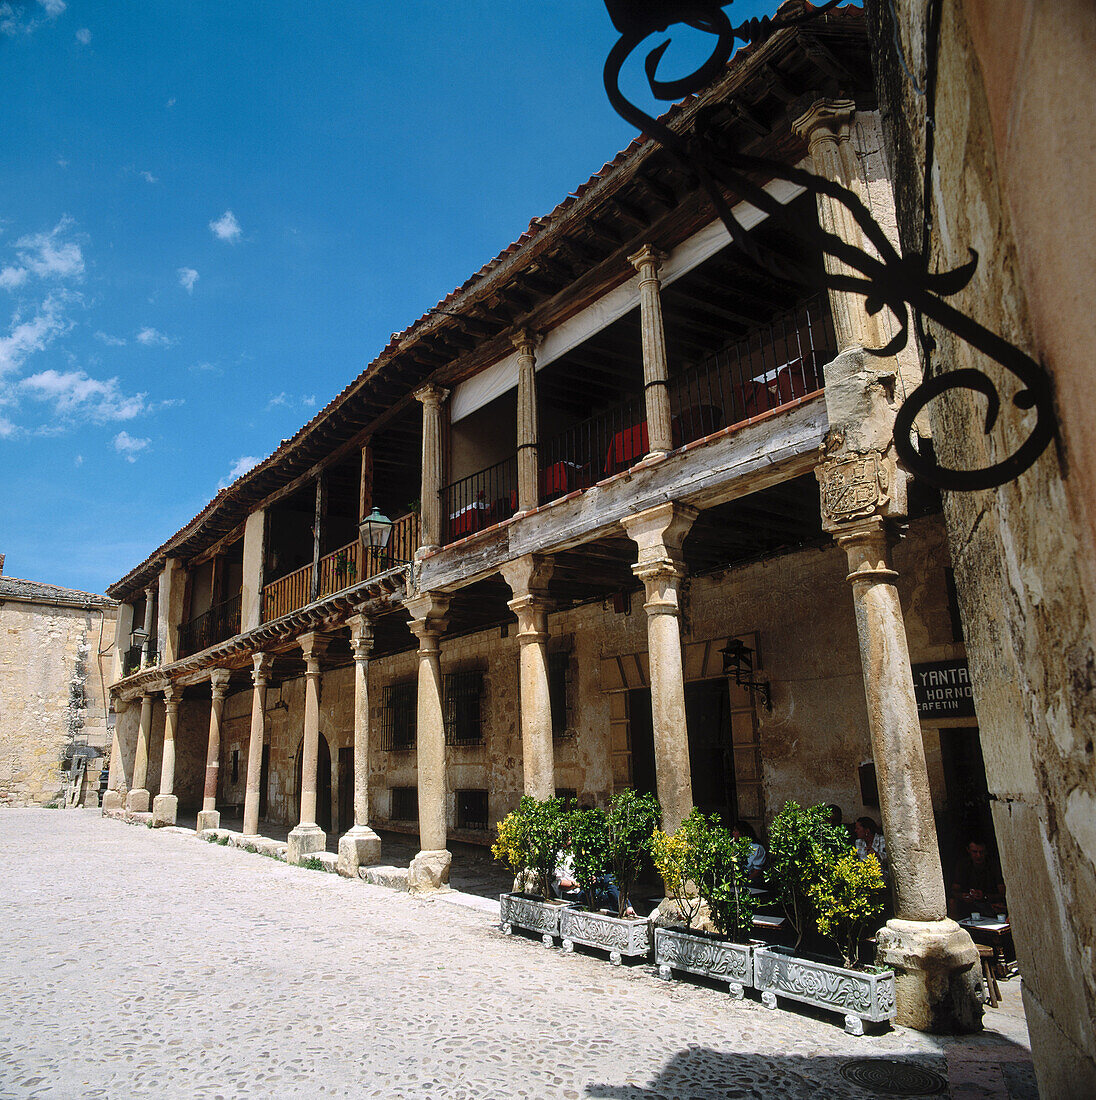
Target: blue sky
{"type": "Point", "coordinates": [213, 215]}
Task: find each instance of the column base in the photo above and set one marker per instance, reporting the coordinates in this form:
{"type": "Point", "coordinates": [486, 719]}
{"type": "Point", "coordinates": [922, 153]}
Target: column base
{"type": "Point", "coordinates": [303, 841]}
{"type": "Point", "coordinates": [937, 980]}
{"type": "Point", "coordinates": [358, 847]}
{"type": "Point", "coordinates": [208, 819]}
{"type": "Point", "coordinates": [165, 807]}
{"type": "Point", "coordinates": [429, 871]}
{"type": "Point", "coordinates": [137, 801]}
{"type": "Point", "coordinates": [113, 801]}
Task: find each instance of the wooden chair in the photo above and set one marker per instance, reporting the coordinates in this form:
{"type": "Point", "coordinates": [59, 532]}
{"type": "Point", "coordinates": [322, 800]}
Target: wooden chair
{"type": "Point", "coordinates": [989, 977]}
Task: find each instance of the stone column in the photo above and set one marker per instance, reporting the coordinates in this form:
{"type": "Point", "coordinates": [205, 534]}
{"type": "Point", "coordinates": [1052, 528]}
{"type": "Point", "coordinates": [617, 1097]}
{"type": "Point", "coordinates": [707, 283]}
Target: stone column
{"type": "Point", "coordinates": [260, 673]}
{"type": "Point", "coordinates": [114, 798]}
{"type": "Point", "coordinates": [359, 846]}
{"type": "Point", "coordinates": [656, 374]}
{"type": "Point", "coordinates": [430, 868]}
{"type": "Point", "coordinates": [433, 466]}
{"type": "Point", "coordinates": [210, 818]}
{"type": "Point", "coordinates": [528, 466]}
{"type": "Point", "coordinates": [165, 806]}
{"type": "Point", "coordinates": [528, 579]}
{"type": "Point", "coordinates": [659, 533]}
{"type": "Point", "coordinates": [137, 799]}
{"type": "Point", "coordinates": [150, 609]}
{"type": "Point", "coordinates": [307, 837]}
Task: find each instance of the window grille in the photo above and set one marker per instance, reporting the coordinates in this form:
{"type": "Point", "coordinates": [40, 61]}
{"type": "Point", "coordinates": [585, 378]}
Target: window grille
{"type": "Point", "coordinates": [559, 683]}
{"type": "Point", "coordinates": [405, 804]}
{"type": "Point", "coordinates": [398, 716]}
{"type": "Point", "coordinates": [463, 719]}
{"type": "Point", "coordinates": [471, 809]}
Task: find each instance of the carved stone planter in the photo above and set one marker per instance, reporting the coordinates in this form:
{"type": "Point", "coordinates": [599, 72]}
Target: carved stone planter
{"type": "Point", "coordinates": [620, 936]}
{"type": "Point", "coordinates": [863, 996]}
{"type": "Point", "coordinates": [532, 914]}
{"type": "Point", "coordinates": [706, 955]}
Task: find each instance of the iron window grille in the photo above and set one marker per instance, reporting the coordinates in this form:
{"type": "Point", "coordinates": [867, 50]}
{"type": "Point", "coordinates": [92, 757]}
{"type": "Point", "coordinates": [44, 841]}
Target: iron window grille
{"type": "Point", "coordinates": [399, 713]}
{"type": "Point", "coordinates": [559, 693]}
{"type": "Point", "coordinates": [405, 804]}
{"type": "Point", "coordinates": [463, 714]}
{"type": "Point", "coordinates": [471, 810]}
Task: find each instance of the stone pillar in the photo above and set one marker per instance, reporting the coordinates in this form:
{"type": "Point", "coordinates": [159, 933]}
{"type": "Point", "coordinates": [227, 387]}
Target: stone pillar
{"type": "Point", "coordinates": [251, 587]}
{"type": "Point", "coordinates": [528, 579]}
{"type": "Point", "coordinates": [137, 799]}
{"type": "Point", "coordinates": [123, 639]}
{"type": "Point", "coordinates": [150, 634]}
{"type": "Point", "coordinates": [260, 673]}
{"type": "Point", "coordinates": [307, 837]}
{"type": "Point", "coordinates": [528, 465]}
{"type": "Point", "coordinates": [656, 374]}
{"type": "Point", "coordinates": [165, 806]}
{"type": "Point", "coordinates": [430, 868]}
{"type": "Point", "coordinates": [433, 466]}
{"type": "Point", "coordinates": [935, 962]}
{"type": "Point", "coordinates": [360, 846]}
{"type": "Point", "coordinates": [659, 533]}
{"type": "Point", "coordinates": [114, 798]}
{"type": "Point", "coordinates": [210, 818]}
{"type": "Point", "coordinates": [171, 607]}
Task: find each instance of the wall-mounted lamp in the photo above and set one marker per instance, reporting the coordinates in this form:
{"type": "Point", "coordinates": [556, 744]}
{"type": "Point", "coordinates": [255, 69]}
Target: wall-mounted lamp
{"type": "Point", "coordinates": [738, 659]}
{"type": "Point", "coordinates": [375, 530]}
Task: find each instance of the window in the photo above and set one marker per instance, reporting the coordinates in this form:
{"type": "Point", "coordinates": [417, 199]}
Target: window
{"type": "Point", "coordinates": [559, 682]}
{"type": "Point", "coordinates": [471, 809]}
{"type": "Point", "coordinates": [463, 721]}
{"type": "Point", "coordinates": [398, 716]}
{"type": "Point", "coordinates": [405, 804]}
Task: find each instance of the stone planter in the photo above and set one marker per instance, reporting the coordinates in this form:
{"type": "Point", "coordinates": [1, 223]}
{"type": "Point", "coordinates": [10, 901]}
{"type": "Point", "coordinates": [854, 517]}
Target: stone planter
{"type": "Point", "coordinates": [532, 914]}
{"type": "Point", "coordinates": [620, 936]}
{"type": "Point", "coordinates": [863, 996]}
{"type": "Point", "coordinates": [704, 954]}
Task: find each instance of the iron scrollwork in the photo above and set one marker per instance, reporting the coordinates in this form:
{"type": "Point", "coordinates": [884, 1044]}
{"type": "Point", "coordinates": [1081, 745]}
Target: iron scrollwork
{"type": "Point", "coordinates": [899, 283]}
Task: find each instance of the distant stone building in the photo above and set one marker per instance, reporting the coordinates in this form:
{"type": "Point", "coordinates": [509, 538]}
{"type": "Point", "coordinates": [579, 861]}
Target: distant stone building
{"type": "Point", "coordinates": [55, 721]}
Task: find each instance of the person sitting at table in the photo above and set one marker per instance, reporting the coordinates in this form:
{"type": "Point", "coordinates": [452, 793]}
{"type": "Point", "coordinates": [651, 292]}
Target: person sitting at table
{"type": "Point", "coordinates": [756, 860]}
{"type": "Point", "coordinates": [837, 817]}
{"type": "Point", "coordinates": [869, 841]}
{"type": "Point", "coordinates": [606, 892]}
{"type": "Point", "coordinates": [977, 885]}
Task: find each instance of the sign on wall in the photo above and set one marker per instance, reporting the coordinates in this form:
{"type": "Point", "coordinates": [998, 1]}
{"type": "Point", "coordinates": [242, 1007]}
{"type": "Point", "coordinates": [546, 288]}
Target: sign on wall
{"type": "Point", "coordinates": [943, 689]}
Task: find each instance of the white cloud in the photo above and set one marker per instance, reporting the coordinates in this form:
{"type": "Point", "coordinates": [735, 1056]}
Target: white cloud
{"type": "Point", "coordinates": [289, 401]}
{"type": "Point", "coordinates": [53, 7]}
{"type": "Point", "coordinates": [7, 428]}
{"type": "Point", "coordinates": [130, 447]}
{"type": "Point", "coordinates": [83, 36]}
{"type": "Point", "coordinates": [187, 278]}
{"type": "Point", "coordinates": [226, 228]}
{"type": "Point", "coordinates": [239, 468]}
{"type": "Point", "coordinates": [11, 277]}
{"type": "Point", "coordinates": [25, 337]}
{"type": "Point", "coordinates": [78, 460]}
{"type": "Point", "coordinates": [14, 19]}
{"type": "Point", "coordinates": [46, 256]}
{"type": "Point", "coordinates": [110, 341]}
{"type": "Point", "coordinates": [148, 177]}
{"type": "Point", "coordinates": [170, 102]}
{"type": "Point", "coordinates": [152, 338]}
{"type": "Point", "coordinates": [74, 394]}
{"type": "Point", "coordinates": [207, 368]}
{"type": "Point", "coordinates": [62, 163]}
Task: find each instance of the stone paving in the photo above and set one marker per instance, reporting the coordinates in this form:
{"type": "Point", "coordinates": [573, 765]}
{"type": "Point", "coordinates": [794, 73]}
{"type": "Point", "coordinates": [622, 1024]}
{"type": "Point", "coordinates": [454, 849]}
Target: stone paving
{"type": "Point", "coordinates": [148, 963]}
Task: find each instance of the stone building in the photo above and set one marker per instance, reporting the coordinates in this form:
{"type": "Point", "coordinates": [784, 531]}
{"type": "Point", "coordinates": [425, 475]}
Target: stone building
{"type": "Point", "coordinates": [55, 671]}
{"type": "Point", "coordinates": [607, 563]}
{"type": "Point", "coordinates": [1012, 173]}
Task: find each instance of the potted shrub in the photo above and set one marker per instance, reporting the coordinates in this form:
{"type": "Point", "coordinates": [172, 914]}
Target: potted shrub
{"type": "Point", "coordinates": [702, 862]}
{"type": "Point", "coordinates": [614, 845]}
{"type": "Point", "coordinates": [825, 888]}
{"type": "Point", "coordinates": [529, 842]}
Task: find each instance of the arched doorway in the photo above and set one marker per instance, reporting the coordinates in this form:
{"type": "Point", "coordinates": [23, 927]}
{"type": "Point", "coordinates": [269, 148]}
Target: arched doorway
{"type": "Point", "coordinates": [323, 783]}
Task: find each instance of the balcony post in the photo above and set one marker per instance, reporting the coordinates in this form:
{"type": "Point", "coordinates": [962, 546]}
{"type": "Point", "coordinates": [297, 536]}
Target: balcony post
{"type": "Point", "coordinates": [528, 466]}
{"type": "Point", "coordinates": [430, 868]}
{"type": "Point", "coordinates": [165, 806]}
{"type": "Point", "coordinates": [656, 374]}
{"type": "Point", "coordinates": [433, 466]}
{"type": "Point", "coordinates": [260, 674]}
{"type": "Point", "coordinates": [171, 606]}
{"type": "Point", "coordinates": [137, 799]}
{"type": "Point", "coordinates": [360, 846]}
{"type": "Point", "coordinates": [528, 580]}
{"type": "Point", "coordinates": [365, 483]}
{"type": "Point", "coordinates": [150, 612]}
{"type": "Point", "coordinates": [251, 589]}
{"type": "Point", "coordinates": [307, 837]}
{"type": "Point", "coordinates": [209, 818]}
{"type": "Point", "coordinates": [317, 534]}
{"type": "Point", "coordinates": [659, 533]}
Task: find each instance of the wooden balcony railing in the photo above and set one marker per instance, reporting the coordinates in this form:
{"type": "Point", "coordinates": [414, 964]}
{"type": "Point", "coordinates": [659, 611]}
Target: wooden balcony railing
{"type": "Point", "coordinates": [342, 568]}
{"type": "Point", "coordinates": [215, 625]}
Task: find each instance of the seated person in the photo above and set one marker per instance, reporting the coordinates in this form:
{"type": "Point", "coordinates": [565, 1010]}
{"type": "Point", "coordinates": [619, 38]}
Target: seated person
{"type": "Point", "coordinates": [566, 886]}
{"type": "Point", "coordinates": [977, 885]}
{"type": "Point", "coordinates": [869, 841]}
{"type": "Point", "coordinates": [756, 860]}
{"type": "Point", "coordinates": [837, 817]}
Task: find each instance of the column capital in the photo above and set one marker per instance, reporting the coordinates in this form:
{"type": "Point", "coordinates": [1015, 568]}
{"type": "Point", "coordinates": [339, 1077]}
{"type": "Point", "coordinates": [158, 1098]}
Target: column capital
{"type": "Point", "coordinates": [431, 395]}
{"type": "Point", "coordinates": [647, 261]}
{"type": "Point", "coordinates": [361, 637]}
{"type": "Point", "coordinates": [313, 646]}
{"type": "Point", "coordinates": [659, 533]}
{"type": "Point", "coordinates": [528, 575]}
{"type": "Point", "coordinates": [120, 705]}
{"type": "Point", "coordinates": [867, 544]}
{"type": "Point", "coordinates": [525, 341]}
{"type": "Point", "coordinates": [173, 693]}
{"type": "Point", "coordinates": [151, 590]}
{"type": "Point", "coordinates": [219, 679]}
{"type": "Point", "coordinates": [532, 612]}
{"type": "Point", "coordinates": [262, 665]}
{"type": "Point", "coordinates": [429, 615]}
{"type": "Point", "coordinates": [825, 119]}
{"type": "Point", "coordinates": [147, 698]}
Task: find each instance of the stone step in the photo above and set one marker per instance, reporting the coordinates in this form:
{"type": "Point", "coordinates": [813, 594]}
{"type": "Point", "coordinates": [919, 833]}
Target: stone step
{"type": "Point", "coordinates": [395, 878]}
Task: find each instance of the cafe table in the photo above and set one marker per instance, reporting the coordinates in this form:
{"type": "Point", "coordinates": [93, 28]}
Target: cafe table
{"type": "Point", "coordinates": [994, 931]}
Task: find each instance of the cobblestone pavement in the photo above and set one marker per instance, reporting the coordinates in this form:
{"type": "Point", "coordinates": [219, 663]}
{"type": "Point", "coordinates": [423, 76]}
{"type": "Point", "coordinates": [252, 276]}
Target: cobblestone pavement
{"type": "Point", "coordinates": [142, 963]}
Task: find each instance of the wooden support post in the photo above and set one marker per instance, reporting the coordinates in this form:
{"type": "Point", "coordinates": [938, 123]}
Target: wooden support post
{"type": "Point", "coordinates": [317, 532]}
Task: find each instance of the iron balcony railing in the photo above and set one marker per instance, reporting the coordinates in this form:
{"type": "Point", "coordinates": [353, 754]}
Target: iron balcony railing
{"type": "Point", "coordinates": [480, 500]}
{"type": "Point", "coordinates": [131, 662]}
{"type": "Point", "coordinates": [215, 625]}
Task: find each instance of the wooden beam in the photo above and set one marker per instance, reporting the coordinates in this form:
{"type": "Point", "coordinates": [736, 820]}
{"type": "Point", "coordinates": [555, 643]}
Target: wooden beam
{"type": "Point", "coordinates": [317, 531]}
{"type": "Point", "coordinates": [365, 484]}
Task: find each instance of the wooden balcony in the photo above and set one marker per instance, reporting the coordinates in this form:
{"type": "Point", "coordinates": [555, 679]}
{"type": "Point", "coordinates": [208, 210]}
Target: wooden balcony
{"type": "Point", "coordinates": [217, 624]}
{"type": "Point", "coordinates": [341, 569]}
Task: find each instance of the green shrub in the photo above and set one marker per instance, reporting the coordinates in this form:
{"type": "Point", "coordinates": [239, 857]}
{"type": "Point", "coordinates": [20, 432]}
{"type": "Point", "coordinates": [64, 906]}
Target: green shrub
{"type": "Point", "coordinates": [631, 820]}
{"type": "Point", "coordinates": [589, 847]}
{"type": "Point", "coordinates": [670, 852]}
{"type": "Point", "coordinates": [531, 838]}
{"type": "Point", "coordinates": [848, 899]}
{"type": "Point", "coordinates": [717, 863]}
{"type": "Point", "coordinates": [313, 863]}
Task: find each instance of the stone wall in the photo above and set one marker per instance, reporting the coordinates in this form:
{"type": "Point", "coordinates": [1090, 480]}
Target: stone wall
{"type": "Point", "coordinates": [54, 661]}
{"type": "Point", "coordinates": [1015, 158]}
